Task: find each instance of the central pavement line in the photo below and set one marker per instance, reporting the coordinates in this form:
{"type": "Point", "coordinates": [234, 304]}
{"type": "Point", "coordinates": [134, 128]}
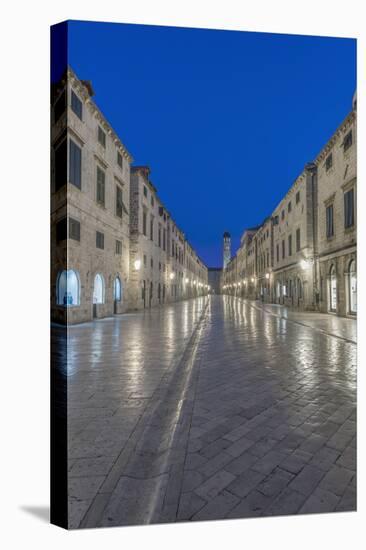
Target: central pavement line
{"type": "Point", "coordinates": [160, 432]}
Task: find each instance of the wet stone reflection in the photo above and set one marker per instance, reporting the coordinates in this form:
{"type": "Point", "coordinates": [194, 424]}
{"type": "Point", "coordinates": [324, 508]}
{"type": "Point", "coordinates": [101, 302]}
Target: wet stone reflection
{"type": "Point", "coordinates": [210, 408]}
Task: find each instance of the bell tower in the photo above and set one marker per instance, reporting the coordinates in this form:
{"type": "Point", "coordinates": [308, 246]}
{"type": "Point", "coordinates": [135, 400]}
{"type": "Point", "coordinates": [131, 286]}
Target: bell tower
{"type": "Point", "coordinates": [227, 248]}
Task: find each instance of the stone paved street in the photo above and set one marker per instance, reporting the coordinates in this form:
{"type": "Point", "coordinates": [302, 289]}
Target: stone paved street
{"type": "Point", "coordinates": [210, 408]}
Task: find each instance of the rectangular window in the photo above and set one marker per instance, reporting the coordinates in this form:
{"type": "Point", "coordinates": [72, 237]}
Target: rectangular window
{"type": "Point", "coordinates": [159, 235]}
{"type": "Point", "coordinates": [119, 159]}
{"type": "Point", "coordinates": [152, 263]}
{"type": "Point", "coordinates": [60, 106]}
{"type": "Point", "coordinates": [61, 230]}
{"type": "Point", "coordinates": [119, 202]}
{"type": "Point", "coordinates": [144, 221]}
{"type": "Point", "coordinates": [145, 191]}
{"type": "Point", "coordinates": [101, 136]}
{"type": "Point", "coordinates": [145, 260]}
{"type": "Point", "coordinates": [278, 253]}
{"type": "Point", "coordinates": [74, 229]}
{"type": "Point", "coordinates": [298, 240]}
{"type": "Point", "coordinates": [99, 240]}
{"type": "Point", "coordinates": [61, 165]}
{"type": "Point", "coordinates": [289, 207]}
{"type": "Point", "coordinates": [75, 164]}
{"type": "Point", "coordinates": [290, 245]}
{"type": "Point", "coordinates": [164, 239]}
{"type": "Point", "coordinates": [282, 215]}
{"type": "Point", "coordinates": [118, 247]}
{"type": "Point", "coordinates": [329, 162]}
{"type": "Point", "coordinates": [152, 201]}
{"type": "Point", "coordinates": [347, 142]}
{"type": "Point", "coordinates": [76, 105]}
{"type": "Point", "coordinates": [297, 197]}
{"type": "Point", "coordinates": [329, 221]}
{"type": "Point", "coordinates": [283, 249]}
{"type": "Point", "coordinates": [151, 228]}
{"type": "Point", "coordinates": [100, 186]}
{"type": "Point", "coordinates": [349, 218]}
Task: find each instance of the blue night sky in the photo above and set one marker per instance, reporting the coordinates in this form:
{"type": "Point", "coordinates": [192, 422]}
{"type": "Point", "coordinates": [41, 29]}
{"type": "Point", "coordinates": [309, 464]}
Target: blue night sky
{"type": "Point", "coordinates": [226, 120]}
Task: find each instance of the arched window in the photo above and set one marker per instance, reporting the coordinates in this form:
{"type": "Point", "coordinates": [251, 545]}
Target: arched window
{"type": "Point", "coordinates": [68, 288]}
{"type": "Point", "coordinates": [332, 289]}
{"type": "Point", "coordinates": [352, 287]}
{"type": "Point", "coordinates": [117, 289]}
{"type": "Point", "coordinates": [98, 292]}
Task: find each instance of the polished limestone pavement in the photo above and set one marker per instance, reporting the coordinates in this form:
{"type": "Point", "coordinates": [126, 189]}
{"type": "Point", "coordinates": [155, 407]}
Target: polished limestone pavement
{"type": "Point", "coordinates": [207, 409]}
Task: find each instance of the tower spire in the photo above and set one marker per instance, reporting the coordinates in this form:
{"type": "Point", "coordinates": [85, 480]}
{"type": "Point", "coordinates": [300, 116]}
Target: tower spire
{"type": "Point", "coordinates": [227, 248]}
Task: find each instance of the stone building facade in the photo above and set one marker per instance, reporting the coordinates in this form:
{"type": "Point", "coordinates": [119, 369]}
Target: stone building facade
{"type": "Point", "coordinates": [293, 244]}
{"type": "Point", "coordinates": [304, 254]}
{"type": "Point", "coordinates": [163, 265]}
{"type": "Point", "coordinates": [263, 246]}
{"type": "Point", "coordinates": [97, 233]}
{"type": "Point", "coordinates": [214, 280]}
{"type": "Point", "coordinates": [337, 220]}
{"type": "Point", "coordinates": [89, 218]}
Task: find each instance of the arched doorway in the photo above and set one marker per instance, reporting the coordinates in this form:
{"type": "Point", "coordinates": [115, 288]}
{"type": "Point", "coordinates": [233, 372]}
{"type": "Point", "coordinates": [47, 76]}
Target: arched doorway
{"type": "Point", "coordinates": [98, 292]}
{"type": "Point", "coordinates": [68, 288]}
{"type": "Point", "coordinates": [299, 290]}
{"type": "Point", "coordinates": [117, 292]}
{"type": "Point", "coordinates": [352, 287]}
{"type": "Point", "coordinates": [332, 289]}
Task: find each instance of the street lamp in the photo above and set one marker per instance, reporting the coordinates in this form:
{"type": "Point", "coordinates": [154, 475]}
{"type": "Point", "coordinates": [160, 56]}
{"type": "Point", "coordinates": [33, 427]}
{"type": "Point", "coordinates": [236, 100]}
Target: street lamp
{"type": "Point", "coordinates": [171, 276]}
{"type": "Point", "coordinates": [186, 280]}
{"type": "Point", "coordinates": [137, 264]}
{"type": "Point", "coordinates": [267, 275]}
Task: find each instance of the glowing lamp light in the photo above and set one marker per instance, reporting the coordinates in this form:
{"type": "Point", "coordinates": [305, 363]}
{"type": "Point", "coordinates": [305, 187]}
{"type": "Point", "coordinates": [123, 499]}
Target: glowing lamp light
{"type": "Point", "coordinates": [137, 264]}
{"type": "Point", "coordinates": [186, 280]}
{"type": "Point", "coordinates": [267, 275]}
{"type": "Point", "coordinates": [252, 279]}
{"type": "Point", "coordinates": [304, 264]}
{"type": "Point", "coordinates": [172, 275]}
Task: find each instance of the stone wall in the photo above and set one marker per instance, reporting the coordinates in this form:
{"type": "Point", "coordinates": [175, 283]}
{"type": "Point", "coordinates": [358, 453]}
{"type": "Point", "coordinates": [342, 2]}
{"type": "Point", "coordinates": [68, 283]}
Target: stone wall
{"type": "Point", "coordinates": [289, 259]}
{"type": "Point", "coordinates": [161, 278]}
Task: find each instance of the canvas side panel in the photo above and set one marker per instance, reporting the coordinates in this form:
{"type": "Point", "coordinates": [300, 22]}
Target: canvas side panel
{"type": "Point", "coordinates": [58, 212]}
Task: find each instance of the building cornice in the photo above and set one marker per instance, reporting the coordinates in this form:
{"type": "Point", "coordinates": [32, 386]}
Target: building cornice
{"type": "Point", "coordinates": [341, 130]}
{"type": "Point", "coordinates": [84, 90]}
